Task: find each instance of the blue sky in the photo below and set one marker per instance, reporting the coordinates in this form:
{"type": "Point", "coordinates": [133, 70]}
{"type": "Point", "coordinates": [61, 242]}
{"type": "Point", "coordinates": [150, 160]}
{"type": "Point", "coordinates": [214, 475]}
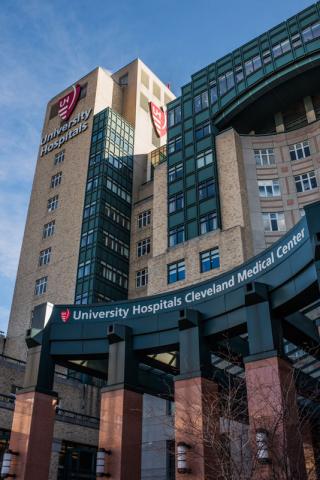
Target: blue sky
{"type": "Point", "coordinates": [46, 45]}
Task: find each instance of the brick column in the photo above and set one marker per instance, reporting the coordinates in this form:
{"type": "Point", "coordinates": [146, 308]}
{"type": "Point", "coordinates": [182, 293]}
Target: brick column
{"type": "Point", "coordinates": [197, 424]}
{"type": "Point", "coordinates": [121, 432]}
{"type": "Point", "coordinates": [272, 406]}
{"type": "Point", "coordinates": [31, 434]}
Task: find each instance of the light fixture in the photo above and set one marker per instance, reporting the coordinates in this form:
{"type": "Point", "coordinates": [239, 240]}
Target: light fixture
{"type": "Point", "coordinates": [262, 445]}
{"type": "Point", "coordinates": [6, 464]}
{"type": "Point", "coordinates": [182, 463]}
{"type": "Point", "coordinates": [101, 462]}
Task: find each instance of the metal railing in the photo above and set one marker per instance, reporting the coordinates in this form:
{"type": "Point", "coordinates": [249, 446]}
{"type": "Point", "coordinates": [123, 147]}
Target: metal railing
{"type": "Point", "coordinates": [69, 416]}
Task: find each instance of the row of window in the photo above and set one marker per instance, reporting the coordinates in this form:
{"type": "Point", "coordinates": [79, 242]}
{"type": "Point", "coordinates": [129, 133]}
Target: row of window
{"type": "Point", "coordinates": [203, 130]}
{"type": "Point", "coordinates": [203, 159]}
{"type": "Point", "coordinates": [176, 271]}
{"type": "Point", "coordinates": [304, 182]}
{"type": "Point", "coordinates": [297, 151]}
{"type": "Point", "coordinates": [228, 80]}
{"type": "Point", "coordinates": [207, 223]}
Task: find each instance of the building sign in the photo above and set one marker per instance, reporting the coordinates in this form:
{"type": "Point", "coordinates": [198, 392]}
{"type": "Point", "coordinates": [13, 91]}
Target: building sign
{"type": "Point", "coordinates": [260, 266]}
{"type": "Point", "coordinates": [68, 103]}
{"type": "Point", "coordinates": [159, 119]}
{"type": "Point", "coordinates": [65, 132]}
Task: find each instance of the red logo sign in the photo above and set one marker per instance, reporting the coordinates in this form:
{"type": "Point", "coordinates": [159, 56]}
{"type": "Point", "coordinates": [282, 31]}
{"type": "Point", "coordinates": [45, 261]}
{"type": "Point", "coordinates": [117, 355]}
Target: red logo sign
{"type": "Point", "coordinates": [65, 315]}
{"type": "Point", "coordinates": [159, 118]}
{"type": "Point", "coordinates": [68, 102]}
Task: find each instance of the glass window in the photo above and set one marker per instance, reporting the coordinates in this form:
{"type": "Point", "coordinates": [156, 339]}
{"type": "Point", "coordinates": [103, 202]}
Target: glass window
{"type": "Point", "coordinates": [45, 256]}
{"type": "Point", "coordinates": [48, 229]}
{"type": "Point", "coordinates": [176, 235]}
{"type": "Point", "coordinates": [53, 203]}
{"type": "Point", "coordinates": [176, 272]}
{"type": "Point", "coordinates": [58, 158]}
{"type": "Point", "coordinates": [269, 188]}
{"type": "Point", "coordinates": [41, 286]}
{"type": "Point", "coordinates": [213, 92]}
{"type": "Point", "coordinates": [264, 157]}
{"type": "Point", "coordinates": [274, 222]}
{"type": "Point", "coordinates": [176, 202]}
{"type": "Point", "coordinates": [86, 238]}
{"type": "Point", "coordinates": [144, 219]}
{"type": "Point", "coordinates": [296, 41]}
{"type": "Point", "coordinates": [306, 181]}
{"type": "Point", "coordinates": [203, 130]}
{"type": "Point", "coordinates": [114, 275]}
{"type": "Point", "coordinates": [204, 159]}
{"type": "Point", "coordinates": [143, 247]}
{"type": "Point", "coordinates": [174, 116]}
{"type": "Point", "coordinates": [266, 57]}
{"type": "Point", "coordinates": [175, 172]}
{"type": "Point", "coordinates": [142, 278]}
{"type": "Point", "coordinates": [310, 33]}
{"type": "Point", "coordinates": [175, 145]}
{"type": "Point", "coordinates": [281, 48]}
{"type": "Point", "coordinates": [92, 183]}
{"type": "Point", "coordinates": [208, 223]}
{"type": "Point", "coordinates": [226, 82]}
{"type": "Point", "coordinates": [84, 269]}
{"type": "Point", "coordinates": [206, 189]}
{"type": "Point", "coordinates": [239, 73]}
{"type": "Point", "coordinates": [252, 64]}
{"type": "Point", "coordinates": [56, 180]}
{"type": "Point", "coordinates": [299, 150]}
{"type": "Point", "coordinates": [115, 244]}
{"type": "Point", "coordinates": [201, 102]}
{"type": "Point", "coordinates": [209, 260]}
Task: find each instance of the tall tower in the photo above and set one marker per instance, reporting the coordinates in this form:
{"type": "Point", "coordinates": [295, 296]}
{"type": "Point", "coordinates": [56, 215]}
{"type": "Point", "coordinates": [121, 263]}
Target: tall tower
{"type": "Point", "coordinates": [77, 234]}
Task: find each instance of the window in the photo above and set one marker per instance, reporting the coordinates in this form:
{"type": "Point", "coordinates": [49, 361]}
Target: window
{"type": "Point", "coordinates": [200, 102]}
{"type": "Point", "coordinates": [226, 82]}
{"type": "Point", "coordinates": [118, 190]}
{"type": "Point", "coordinates": [176, 272]}
{"type": "Point", "coordinates": [239, 73]}
{"type": "Point", "coordinates": [58, 158]}
{"type": "Point", "coordinates": [264, 157]}
{"type": "Point", "coordinates": [92, 183]}
{"type": "Point", "coordinates": [56, 180]}
{"type": "Point", "coordinates": [143, 247]}
{"type": "Point", "coordinates": [274, 222]}
{"type": "Point", "coordinates": [213, 92]}
{"type": "Point", "coordinates": [84, 269]}
{"type": "Point", "coordinates": [116, 244]}
{"type": "Point", "coordinates": [123, 80]}
{"type": "Point", "coordinates": [53, 203]}
{"type": "Point", "coordinates": [174, 116]}
{"type": "Point", "coordinates": [115, 215]}
{"type": "Point", "coordinates": [114, 275]}
{"type": "Point", "coordinates": [209, 260]}
{"type": "Point", "coordinates": [266, 57]}
{"type": "Point", "coordinates": [252, 65]}
{"type": "Point", "coordinates": [175, 145]}
{"type": "Point", "coordinates": [311, 33]}
{"type": "Point", "coordinates": [203, 130]}
{"type": "Point", "coordinates": [176, 235]}
{"type": "Point", "coordinates": [86, 238]}
{"type": "Point", "coordinates": [306, 181]}
{"type": "Point", "coordinates": [208, 222]}
{"type": "Point", "coordinates": [175, 172]}
{"type": "Point", "coordinates": [269, 188]}
{"type": "Point", "coordinates": [281, 48]}
{"type": "Point", "coordinates": [176, 202]}
{"type": "Point", "coordinates": [296, 41]}
{"type": "Point", "coordinates": [89, 209]}
{"type": "Point", "coordinates": [44, 257]}
{"type": "Point", "coordinates": [204, 158]}
{"type": "Point", "coordinates": [144, 219]}
{"type": "Point", "coordinates": [142, 278]}
{"type": "Point", "coordinates": [206, 189]}
{"type": "Point", "coordinates": [41, 286]}
{"type": "Point", "coordinates": [299, 150]}
{"type": "Point", "coordinates": [48, 229]}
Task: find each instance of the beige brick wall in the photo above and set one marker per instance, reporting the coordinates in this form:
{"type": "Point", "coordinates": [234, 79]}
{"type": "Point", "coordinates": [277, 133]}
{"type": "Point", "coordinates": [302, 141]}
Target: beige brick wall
{"type": "Point", "coordinates": [284, 170]}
